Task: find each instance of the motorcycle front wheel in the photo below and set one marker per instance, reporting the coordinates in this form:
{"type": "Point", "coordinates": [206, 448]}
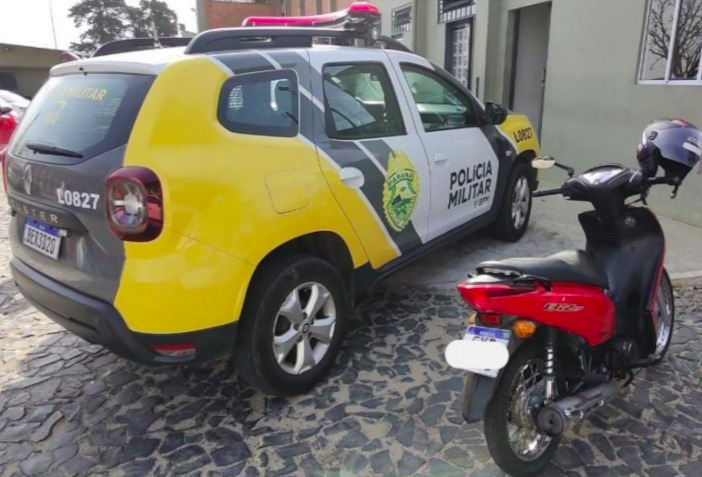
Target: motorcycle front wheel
{"type": "Point", "coordinates": [515, 442]}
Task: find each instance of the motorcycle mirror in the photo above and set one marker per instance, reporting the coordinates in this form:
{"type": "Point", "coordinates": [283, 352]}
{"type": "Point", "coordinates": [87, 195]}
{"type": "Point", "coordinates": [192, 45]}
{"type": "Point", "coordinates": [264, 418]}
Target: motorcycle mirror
{"type": "Point", "coordinates": [545, 162]}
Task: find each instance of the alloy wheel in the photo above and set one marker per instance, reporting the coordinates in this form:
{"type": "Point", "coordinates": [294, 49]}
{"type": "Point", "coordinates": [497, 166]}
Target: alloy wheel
{"type": "Point", "coordinates": [521, 200]}
{"type": "Point", "coordinates": [304, 328]}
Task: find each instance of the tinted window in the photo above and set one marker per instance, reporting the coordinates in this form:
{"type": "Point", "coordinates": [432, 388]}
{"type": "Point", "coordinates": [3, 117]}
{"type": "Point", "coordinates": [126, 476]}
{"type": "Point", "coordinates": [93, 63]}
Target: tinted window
{"type": "Point", "coordinates": [87, 114]}
{"type": "Point", "coordinates": [263, 103]}
{"type": "Point", "coordinates": [360, 102]}
{"type": "Point", "coordinates": [441, 105]}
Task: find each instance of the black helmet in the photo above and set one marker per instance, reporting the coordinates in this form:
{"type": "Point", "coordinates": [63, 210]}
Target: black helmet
{"type": "Point", "coordinates": [673, 144]}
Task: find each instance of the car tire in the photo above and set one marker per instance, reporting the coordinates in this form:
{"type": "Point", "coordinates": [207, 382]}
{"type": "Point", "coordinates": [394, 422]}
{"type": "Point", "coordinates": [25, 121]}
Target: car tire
{"type": "Point", "coordinates": [280, 348]}
{"type": "Point", "coordinates": [515, 209]}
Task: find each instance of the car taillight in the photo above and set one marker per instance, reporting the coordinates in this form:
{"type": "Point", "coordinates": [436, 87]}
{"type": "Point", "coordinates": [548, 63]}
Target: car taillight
{"type": "Point", "coordinates": [8, 124]}
{"type": "Point", "coordinates": [134, 204]}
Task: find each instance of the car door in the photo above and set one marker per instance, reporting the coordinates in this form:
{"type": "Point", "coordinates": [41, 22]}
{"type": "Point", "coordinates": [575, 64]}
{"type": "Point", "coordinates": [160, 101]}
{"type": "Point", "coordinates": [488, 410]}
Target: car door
{"type": "Point", "coordinates": [370, 150]}
{"type": "Point", "coordinates": [464, 166]}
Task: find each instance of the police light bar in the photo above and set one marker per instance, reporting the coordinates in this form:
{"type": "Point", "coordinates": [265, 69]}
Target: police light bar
{"type": "Point", "coordinates": [360, 16]}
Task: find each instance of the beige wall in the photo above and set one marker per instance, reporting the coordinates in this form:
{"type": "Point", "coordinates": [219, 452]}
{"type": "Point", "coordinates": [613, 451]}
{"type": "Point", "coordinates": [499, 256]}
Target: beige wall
{"type": "Point", "coordinates": [29, 80]}
{"type": "Point", "coordinates": [594, 109]}
{"type": "Point", "coordinates": [30, 65]}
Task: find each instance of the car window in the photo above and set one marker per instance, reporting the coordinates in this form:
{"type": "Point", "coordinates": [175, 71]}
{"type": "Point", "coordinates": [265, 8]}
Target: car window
{"type": "Point", "coordinates": [86, 114]}
{"type": "Point", "coordinates": [360, 102]}
{"type": "Point", "coordinates": [441, 105]}
{"type": "Point", "coordinates": [264, 104]}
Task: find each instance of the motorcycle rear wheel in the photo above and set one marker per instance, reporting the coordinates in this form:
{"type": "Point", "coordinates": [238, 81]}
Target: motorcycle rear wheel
{"type": "Point", "coordinates": [664, 317]}
{"type": "Point", "coordinates": [516, 444]}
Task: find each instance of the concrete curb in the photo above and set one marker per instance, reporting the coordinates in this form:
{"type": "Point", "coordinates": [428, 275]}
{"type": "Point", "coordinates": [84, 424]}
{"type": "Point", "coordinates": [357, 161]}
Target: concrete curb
{"type": "Point", "coordinates": [686, 279]}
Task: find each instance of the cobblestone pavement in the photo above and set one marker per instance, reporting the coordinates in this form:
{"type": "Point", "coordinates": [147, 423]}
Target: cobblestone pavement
{"type": "Point", "coordinates": [390, 406]}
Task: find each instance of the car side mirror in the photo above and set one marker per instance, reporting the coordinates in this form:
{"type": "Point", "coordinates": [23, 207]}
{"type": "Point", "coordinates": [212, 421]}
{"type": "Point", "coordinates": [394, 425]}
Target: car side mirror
{"type": "Point", "coordinates": [496, 114]}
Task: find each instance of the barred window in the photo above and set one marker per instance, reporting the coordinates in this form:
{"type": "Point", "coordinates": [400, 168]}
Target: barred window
{"type": "Point", "coordinates": [401, 20]}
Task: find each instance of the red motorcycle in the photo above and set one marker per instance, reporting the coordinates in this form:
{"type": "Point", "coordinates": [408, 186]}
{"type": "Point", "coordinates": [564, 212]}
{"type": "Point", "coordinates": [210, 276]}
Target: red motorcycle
{"type": "Point", "coordinates": [554, 338]}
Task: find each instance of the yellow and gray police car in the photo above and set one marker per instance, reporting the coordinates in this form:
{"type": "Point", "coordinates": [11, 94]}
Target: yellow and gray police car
{"type": "Point", "coordinates": [232, 197]}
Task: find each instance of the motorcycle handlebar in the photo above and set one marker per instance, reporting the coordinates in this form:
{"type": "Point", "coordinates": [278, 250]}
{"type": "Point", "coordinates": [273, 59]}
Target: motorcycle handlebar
{"type": "Point", "coordinates": [545, 192]}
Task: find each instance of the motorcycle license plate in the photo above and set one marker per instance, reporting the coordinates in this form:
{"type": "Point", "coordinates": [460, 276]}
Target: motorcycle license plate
{"type": "Point", "coordinates": [481, 333]}
{"type": "Point", "coordinates": [42, 238]}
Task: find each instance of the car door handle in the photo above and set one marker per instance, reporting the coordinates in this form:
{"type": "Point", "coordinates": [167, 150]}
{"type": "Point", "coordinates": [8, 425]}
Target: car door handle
{"type": "Point", "coordinates": [352, 177]}
{"type": "Point", "coordinates": [440, 157]}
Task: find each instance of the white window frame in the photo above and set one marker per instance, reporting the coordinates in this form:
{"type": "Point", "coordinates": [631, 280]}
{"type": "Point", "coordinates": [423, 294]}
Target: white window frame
{"type": "Point", "coordinates": [398, 30]}
{"type": "Point", "coordinates": [671, 52]}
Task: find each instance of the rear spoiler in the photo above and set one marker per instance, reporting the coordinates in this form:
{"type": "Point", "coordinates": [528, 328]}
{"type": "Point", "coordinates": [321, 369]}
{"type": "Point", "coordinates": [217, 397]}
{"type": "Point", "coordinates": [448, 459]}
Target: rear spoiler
{"type": "Point", "coordinates": [134, 44]}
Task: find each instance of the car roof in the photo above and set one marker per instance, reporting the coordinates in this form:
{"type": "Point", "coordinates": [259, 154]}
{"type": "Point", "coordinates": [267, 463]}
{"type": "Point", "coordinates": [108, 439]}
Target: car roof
{"type": "Point", "coordinates": [153, 61]}
{"type": "Point", "coordinates": [139, 62]}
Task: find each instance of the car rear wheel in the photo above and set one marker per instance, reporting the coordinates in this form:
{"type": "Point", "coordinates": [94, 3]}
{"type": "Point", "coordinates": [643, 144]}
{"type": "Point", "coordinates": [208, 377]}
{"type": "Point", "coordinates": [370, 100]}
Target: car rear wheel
{"type": "Point", "coordinates": [515, 210]}
{"type": "Point", "coordinates": [292, 326]}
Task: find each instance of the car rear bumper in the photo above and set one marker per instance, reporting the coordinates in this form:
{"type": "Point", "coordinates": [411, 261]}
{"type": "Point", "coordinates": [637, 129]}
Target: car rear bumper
{"type": "Point", "coordinates": [99, 322]}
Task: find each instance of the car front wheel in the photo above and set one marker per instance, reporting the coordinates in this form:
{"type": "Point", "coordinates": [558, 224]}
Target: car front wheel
{"type": "Point", "coordinates": [292, 326]}
{"type": "Point", "coordinates": [515, 210]}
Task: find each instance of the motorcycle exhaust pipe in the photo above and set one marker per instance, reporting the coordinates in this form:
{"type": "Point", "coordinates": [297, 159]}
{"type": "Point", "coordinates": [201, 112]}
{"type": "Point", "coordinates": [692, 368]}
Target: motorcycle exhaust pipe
{"type": "Point", "coordinates": [555, 418]}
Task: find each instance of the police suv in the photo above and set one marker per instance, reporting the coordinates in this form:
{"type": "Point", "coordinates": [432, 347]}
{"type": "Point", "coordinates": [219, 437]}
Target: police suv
{"type": "Point", "coordinates": [232, 196]}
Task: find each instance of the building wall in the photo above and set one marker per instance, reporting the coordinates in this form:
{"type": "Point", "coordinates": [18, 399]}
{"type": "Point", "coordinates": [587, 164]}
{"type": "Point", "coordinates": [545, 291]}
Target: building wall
{"type": "Point", "coordinates": [315, 7]}
{"type": "Point", "coordinates": [29, 65]}
{"type": "Point", "coordinates": [222, 14]}
{"type": "Point", "coordinates": [595, 111]}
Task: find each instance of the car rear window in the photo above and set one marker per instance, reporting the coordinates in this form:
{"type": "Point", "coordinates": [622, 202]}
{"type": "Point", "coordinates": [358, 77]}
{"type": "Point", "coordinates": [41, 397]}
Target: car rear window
{"type": "Point", "coordinates": [86, 114]}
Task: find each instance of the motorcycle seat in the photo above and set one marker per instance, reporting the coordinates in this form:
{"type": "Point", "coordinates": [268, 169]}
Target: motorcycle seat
{"type": "Point", "coordinates": [572, 266]}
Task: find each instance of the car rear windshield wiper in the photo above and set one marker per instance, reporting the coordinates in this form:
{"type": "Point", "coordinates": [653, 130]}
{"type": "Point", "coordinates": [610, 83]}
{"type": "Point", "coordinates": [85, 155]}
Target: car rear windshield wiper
{"type": "Point", "coordinates": [49, 149]}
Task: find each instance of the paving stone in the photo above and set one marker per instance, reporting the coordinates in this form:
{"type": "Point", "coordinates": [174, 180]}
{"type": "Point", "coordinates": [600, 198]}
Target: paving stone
{"type": "Point", "coordinates": [120, 378]}
{"type": "Point", "coordinates": [353, 439]}
{"type": "Point", "coordinates": [173, 441]}
{"type": "Point", "coordinates": [231, 453]}
{"type": "Point", "coordinates": [663, 471]}
{"type": "Point", "coordinates": [36, 464]}
{"type": "Point", "coordinates": [62, 454]}
{"type": "Point", "coordinates": [280, 438]}
{"type": "Point", "coordinates": [111, 457]}
{"type": "Point", "coordinates": [140, 447]}
{"type": "Point", "coordinates": [310, 466]}
{"type": "Point", "coordinates": [405, 435]}
{"type": "Point", "coordinates": [355, 463]}
{"type": "Point", "coordinates": [18, 432]}
{"type": "Point", "coordinates": [293, 450]}
{"type": "Point", "coordinates": [381, 463]}
{"type": "Point", "coordinates": [692, 469]}
{"type": "Point", "coordinates": [444, 469]}
{"type": "Point", "coordinates": [409, 463]}
{"type": "Point", "coordinates": [13, 413]}
{"type": "Point", "coordinates": [432, 414]}
{"type": "Point", "coordinates": [188, 459]}
{"type": "Point", "coordinates": [138, 467]}
{"type": "Point", "coordinates": [77, 465]}
{"type": "Point", "coordinates": [567, 458]}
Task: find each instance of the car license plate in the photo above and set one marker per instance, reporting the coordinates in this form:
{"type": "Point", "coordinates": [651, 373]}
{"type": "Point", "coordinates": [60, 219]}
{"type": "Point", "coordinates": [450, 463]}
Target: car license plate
{"type": "Point", "coordinates": [42, 238]}
{"type": "Point", "coordinates": [480, 333]}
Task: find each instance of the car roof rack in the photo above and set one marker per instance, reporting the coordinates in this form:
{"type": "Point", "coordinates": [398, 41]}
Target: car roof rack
{"type": "Point", "coordinates": [247, 38]}
{"type": "Point", "coordinates": [135, 44]}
